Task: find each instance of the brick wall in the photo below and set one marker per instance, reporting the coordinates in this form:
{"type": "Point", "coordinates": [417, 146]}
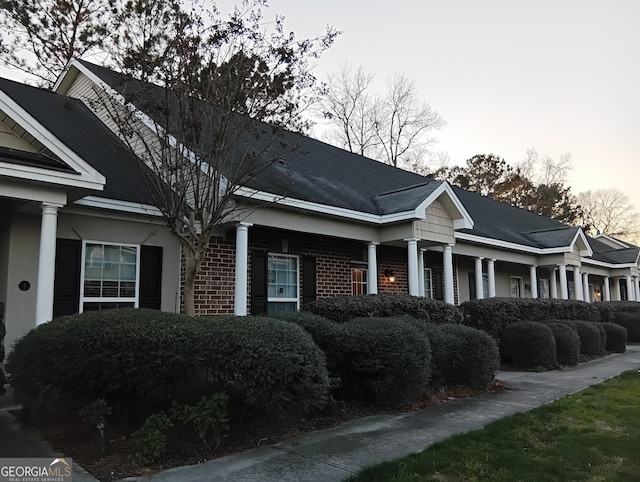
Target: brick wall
{"type": "Point", "coordinates": [335, 258]}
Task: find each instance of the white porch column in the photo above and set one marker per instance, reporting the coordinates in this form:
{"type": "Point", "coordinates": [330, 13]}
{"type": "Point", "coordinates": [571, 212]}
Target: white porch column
{"type": "Point", "coordinates": [46, 263]}
{"type": "Point", "coordinates": [553, 284]}
{"type": "Point", "coordinates": [447, 262]}
{"type": "Point", "coordinates": [491, 274]}
{"type": "Point", "coordinates": [372, 269]}
{"type": "Point", "coordinates": [606, 291]}
{"type": "Point", "coordinates": [636, 287]}
{"type": "Point", "coordinates": [630, 291]}
{"type": "Point", "coordinates": [478, 273]}
{"type": "Point", "coordinates": [421, 271]}
{"type": "Point", "coordinates": [585, 287]}
{"type": "Point", "coordinates": [412, 265]}
{"type": "Point", "coordinates": [242, 257]}
{"type": "Point", "coordinates": [577, 283]}
{"type": "Point", "coordinates": [533, 279]}
{"type": "Point", "coordinates": [564, 290]}
{"type": "Point", "coordinates": [617, 295]}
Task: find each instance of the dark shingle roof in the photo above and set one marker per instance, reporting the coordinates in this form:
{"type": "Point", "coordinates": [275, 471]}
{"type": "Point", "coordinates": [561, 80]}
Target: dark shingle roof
{"type": "Point", "coordinates": [504, 222]}
{"type": "Point", "coordinates": [310, 170]}
{"type": "Point", "coordinates": [71, 122]}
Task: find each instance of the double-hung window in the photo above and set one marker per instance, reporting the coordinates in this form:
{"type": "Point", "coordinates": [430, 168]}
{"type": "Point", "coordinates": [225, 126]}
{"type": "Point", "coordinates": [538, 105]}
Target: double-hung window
{"type": "Point", "coordinates": [543, 289]}
{"type": "Point", "coordinates": [358, 281]}
{"type": "Point", "coordinates": [110, 276]}
{"type": "Point", "coordinates": [516, 287]}
{"type": "Point", "coordinates": [428, 283]}
{"type": "Point", "coordinates": [282, 285]}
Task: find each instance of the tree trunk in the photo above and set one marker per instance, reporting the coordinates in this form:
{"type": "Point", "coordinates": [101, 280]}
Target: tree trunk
{"type": "Point", "coordinates": [192, 263]}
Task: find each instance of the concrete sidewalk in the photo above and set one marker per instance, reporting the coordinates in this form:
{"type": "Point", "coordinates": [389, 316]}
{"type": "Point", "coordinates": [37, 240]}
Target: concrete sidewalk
{"type": "Point", "coordinates": [16, 441]}
{"type": "Point", "coordinates": [332, 455]}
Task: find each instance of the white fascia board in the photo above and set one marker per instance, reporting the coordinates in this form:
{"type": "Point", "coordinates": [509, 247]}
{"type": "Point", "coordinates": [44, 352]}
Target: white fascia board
{"type": "Point", "coordinates": [513, 246]}
{"type": "Point", "coordinates": [90, 177]}
{"type": "Point", "coordinates": [604, 264]}
{"type": "Point", "coordinates": [140, 115]}
{"type": "Point", "coordinates": [326, 209]}
{"type": "Point", "coordinates": [116, 205]}
{"type": "Point", "coordinates": [613, 240]}
{"type": "Point", "coordinates": [464, 221]}
{"type": "Point", "coordinates": [43, 175]}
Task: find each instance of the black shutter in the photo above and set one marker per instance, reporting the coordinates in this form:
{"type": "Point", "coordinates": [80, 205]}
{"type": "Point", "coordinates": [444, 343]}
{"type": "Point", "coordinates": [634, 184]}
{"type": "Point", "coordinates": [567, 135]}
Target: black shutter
{"type": "Point", "coordinates": [259, 260]}
{"type": "Point", "coordinates": [150, 277]}
{"type": "Point", "coordinates": [308, 279]}
{"type": "Point", "coordinates": [472, 286]}
{"type": "Point", "coordinates": [66, 287]}
{"type": "Point", "coordinates": [437, 285]}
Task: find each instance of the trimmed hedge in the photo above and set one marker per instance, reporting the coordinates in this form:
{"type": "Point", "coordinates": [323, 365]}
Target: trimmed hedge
{"type": "Point", "coordinates": [589, 337]}
{"type": "Point", "coordinates": [494, 315]}
{"type": "Point", "coordinates": [461, 355]}
{"type": "Point", "coordinates": [344, 308]}
{"type": "Point", "coordinates": [631, 321]}
{"type": "Point", "coordinates": [567, 343]}
{"type": "Point", "coordinates": [374, 360]}
{"type": "Point", "coordinates": [616, 337]}
{"type": "Point", "coordinates": [124, 355]}
{"type": "Point", "coordinates": [529, 345]}
{"type": "Point", "coordinates": [609, 309]}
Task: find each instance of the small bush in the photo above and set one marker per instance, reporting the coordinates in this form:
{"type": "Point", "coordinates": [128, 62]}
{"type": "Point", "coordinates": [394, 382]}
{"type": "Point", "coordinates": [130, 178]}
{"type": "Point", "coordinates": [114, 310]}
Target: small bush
{"type": "Point", "coordinates": [494, 315]}
{"type": "Point", "coordinates": [344, 308]}
{"type": "Point", "coordinates": [461, 355]}
{"type": "Point", "coordinates": [631, 321]}
{"type": "Point", "coordinates": [567, 343]}
{"type": "Point", "coordinates": [208, 418]}
{"type": "Point", "coordinates": [529, 345]}
{"type": "Point", "coordinates": [151, 438]}
{"type": "Point", "coordinates": [616, 337]}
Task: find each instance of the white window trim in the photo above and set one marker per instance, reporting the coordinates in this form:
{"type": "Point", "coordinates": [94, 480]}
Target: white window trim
{"type": "Point", "coordinates": [520, 281]}
{"type": "Point", "coordinates": [286, 300]}
{"type": "Point", "coordinates": [103, 299]}
{"type": "Point", "coordinates": [364, 283]}
{"type": "Point", "coordinates": [428, 293]}
{"type": "Point", "coordinates": [542, 281]}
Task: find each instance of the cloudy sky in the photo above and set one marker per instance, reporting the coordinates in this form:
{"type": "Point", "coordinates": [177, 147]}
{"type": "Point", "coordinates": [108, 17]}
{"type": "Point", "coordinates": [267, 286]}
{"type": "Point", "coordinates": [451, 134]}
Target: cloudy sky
{"type": "Point", "coordinates": [556, 75]}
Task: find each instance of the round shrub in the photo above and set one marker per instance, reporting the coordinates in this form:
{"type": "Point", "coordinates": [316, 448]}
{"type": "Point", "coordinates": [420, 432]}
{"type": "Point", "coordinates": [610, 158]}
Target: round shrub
{"type": "Point", "coordinates": [345, 308]}
{"type": "Point", "coordinates": [616, 337]}
{"type": "Point", "coordinates": [567, 343]}
{"type": "Point", "coordinates": [124, 355]}
{"type": "Point", "coordinates": [461, 355]}
{"type": "Point", "coordinates": [269, 364]}
{"type": "Point", "coordinates": [589, 337]}
{"type": "Point", "coordinates": [631, 321]}
{"type": "Point", "coordinates": [383, 360]}
{"type": "Point", "coordinates": [529, 345]}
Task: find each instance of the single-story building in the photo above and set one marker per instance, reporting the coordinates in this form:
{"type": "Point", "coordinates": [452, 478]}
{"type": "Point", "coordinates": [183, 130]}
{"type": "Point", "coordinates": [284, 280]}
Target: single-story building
{"type": "Point", "coordinates": [78, 233]}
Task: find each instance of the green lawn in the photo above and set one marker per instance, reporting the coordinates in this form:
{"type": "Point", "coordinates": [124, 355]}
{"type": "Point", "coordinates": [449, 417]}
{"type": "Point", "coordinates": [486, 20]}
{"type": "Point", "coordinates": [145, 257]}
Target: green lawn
{"type": "Point", "coordinates": [593, 435]}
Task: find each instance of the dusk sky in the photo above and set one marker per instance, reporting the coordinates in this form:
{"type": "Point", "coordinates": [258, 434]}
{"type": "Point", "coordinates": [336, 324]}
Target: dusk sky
{"type": "Point", "coordinates": [507, 75]}
{"type": "Point", "coordinates": [556, 75]}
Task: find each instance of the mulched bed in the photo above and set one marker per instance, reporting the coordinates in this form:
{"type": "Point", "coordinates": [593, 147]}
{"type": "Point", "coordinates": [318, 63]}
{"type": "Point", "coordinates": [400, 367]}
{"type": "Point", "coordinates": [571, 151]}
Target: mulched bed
{"type": "Point", "coordinates": [76, 440]}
